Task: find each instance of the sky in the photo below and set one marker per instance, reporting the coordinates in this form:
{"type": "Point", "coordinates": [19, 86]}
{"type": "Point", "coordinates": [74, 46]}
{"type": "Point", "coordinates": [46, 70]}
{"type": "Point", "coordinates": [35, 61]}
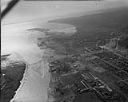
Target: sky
{"type": "Point", "coordinates": [29, 14]}
{"type": "Point", "coordinates": [15, 38]}
{"type": "Point", "coordinates": [27, 11]}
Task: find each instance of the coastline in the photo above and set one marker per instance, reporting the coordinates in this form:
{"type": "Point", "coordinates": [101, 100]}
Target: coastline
{"type": "Point", "coordinates": [35, 83]}
{"type": "Point", "coordinates": [29, 90]}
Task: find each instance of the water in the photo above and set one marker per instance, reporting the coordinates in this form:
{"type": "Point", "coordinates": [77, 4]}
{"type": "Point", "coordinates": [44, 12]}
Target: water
{"type": "Point", "coordinates": [16, 38]}
{"type": "Point", "coordinates": [29, 11]}
{"type": "Point", "coordinates": [27, 15]}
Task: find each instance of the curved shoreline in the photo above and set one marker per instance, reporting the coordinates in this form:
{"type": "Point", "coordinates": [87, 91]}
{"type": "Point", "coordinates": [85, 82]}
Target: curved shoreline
{"type": "Point", "coordinates": [35, 83]}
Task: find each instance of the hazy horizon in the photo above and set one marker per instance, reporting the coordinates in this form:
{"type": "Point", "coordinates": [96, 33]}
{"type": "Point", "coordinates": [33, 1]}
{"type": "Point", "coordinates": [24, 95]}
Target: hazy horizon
{"type": "Point", "coordinates": [27, 11]}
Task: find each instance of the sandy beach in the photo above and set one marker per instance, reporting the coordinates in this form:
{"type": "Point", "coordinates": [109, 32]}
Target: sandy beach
{"type": "Point", "coordinates": [23, 41]}
{"type": "Point", "coordinates": [16, 37]}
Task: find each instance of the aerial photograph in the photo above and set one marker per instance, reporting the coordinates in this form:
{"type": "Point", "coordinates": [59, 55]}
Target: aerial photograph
{"type": "Point", "coordinates": [64, 51]}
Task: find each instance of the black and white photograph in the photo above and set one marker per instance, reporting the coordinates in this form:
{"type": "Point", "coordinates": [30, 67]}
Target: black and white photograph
{"type": "Point", "coordinates": [64, 51]}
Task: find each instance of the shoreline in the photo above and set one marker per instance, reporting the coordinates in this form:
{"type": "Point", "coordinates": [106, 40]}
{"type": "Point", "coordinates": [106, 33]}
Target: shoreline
{"type": "Point", "coordinates": [25, 82]}
{"type": "Point", "coordinates": [36, 75]}
{"type": "Point", "coordinates": [31, 91]}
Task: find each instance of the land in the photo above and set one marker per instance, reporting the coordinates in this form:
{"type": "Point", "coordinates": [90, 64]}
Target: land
{"type": "Point", "coordinates": [11, 74]}
{"type": "Point", "coordinates": [85, 65]}
{"type": "Point", "coordinates": [90, 63]}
